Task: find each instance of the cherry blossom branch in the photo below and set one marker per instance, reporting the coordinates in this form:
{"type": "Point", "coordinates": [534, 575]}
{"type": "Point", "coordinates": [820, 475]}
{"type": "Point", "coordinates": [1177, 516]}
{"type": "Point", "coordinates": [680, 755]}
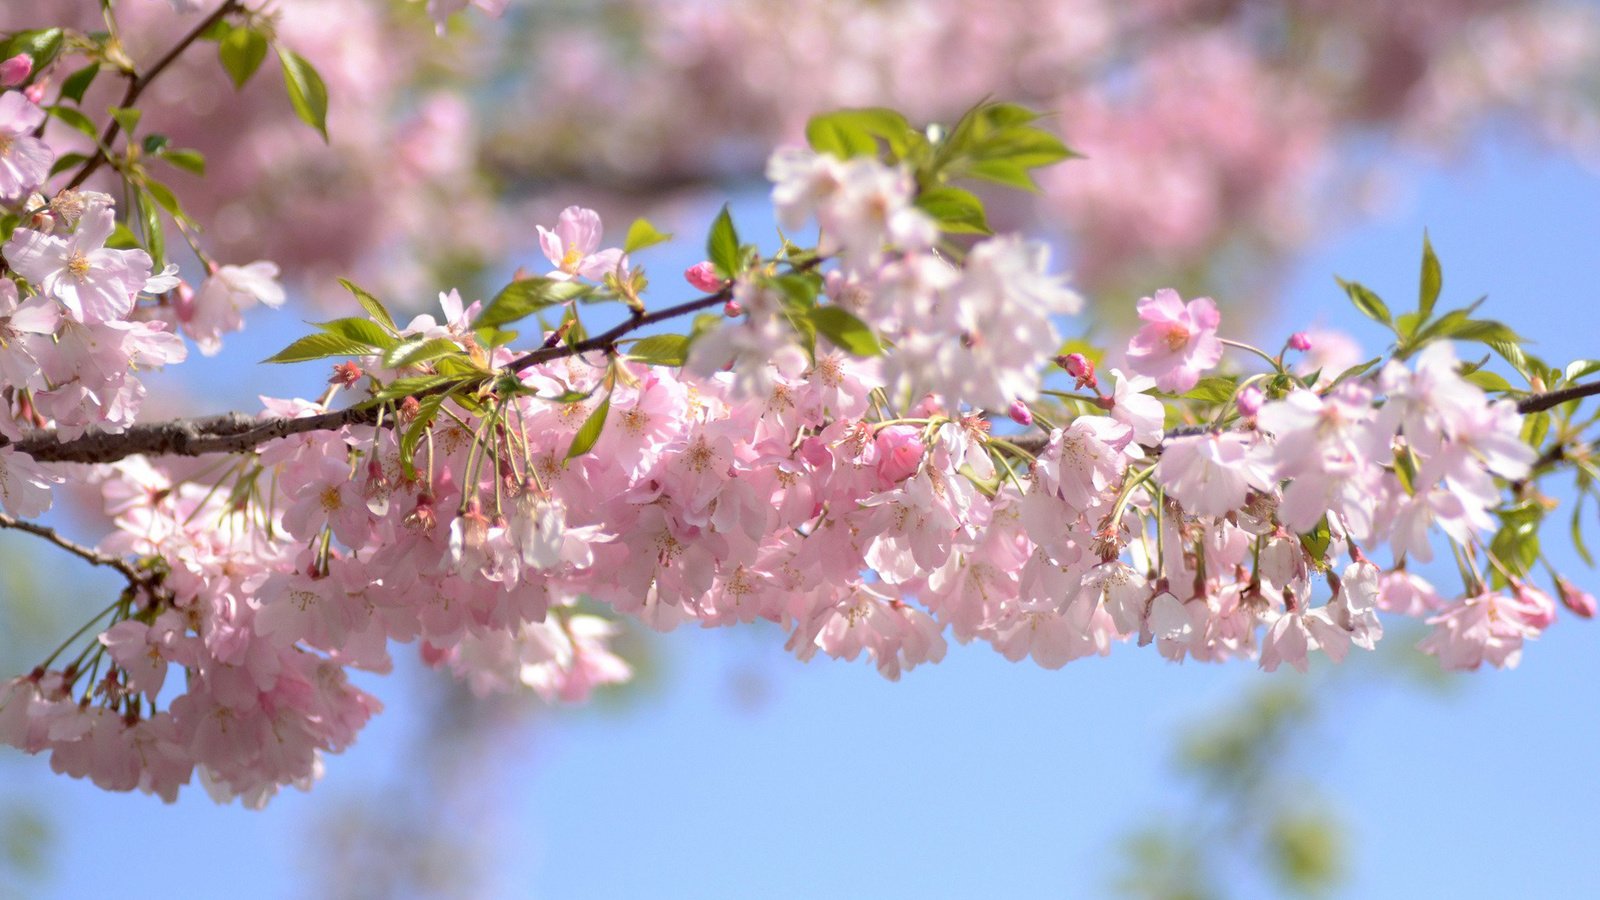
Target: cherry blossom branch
{"type": "Point", "coordinates": [93, 556]}
{"type": "Point", "coordinates": [1551, 399]}
{"type": "Point", "coordinates": [137, 85]}
{"type": "Point", "coordinates": [1035, 443]}
{"type": "Point", "coordinates": [236, 432]}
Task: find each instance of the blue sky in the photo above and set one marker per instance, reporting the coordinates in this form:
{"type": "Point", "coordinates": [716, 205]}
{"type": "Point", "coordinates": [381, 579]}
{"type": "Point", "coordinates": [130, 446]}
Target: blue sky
{"type": "Point", "coordinates": [978, 775]}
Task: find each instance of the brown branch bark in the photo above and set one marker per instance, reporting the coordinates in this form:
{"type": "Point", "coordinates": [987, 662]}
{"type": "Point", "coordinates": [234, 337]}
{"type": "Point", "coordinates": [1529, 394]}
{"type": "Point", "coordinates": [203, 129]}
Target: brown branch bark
{"type": "Point", "coordinates": [76, 549]}
{"type": "Point", "coordinates": [236, 432]}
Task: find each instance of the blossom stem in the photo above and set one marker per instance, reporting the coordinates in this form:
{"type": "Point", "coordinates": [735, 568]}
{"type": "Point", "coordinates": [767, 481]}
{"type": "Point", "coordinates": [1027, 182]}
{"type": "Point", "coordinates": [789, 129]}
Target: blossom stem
{"type": "Point", "coordinates": [1277, 366]}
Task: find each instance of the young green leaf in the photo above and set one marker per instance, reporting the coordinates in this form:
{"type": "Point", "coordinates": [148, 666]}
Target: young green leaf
{"type": "Point", "coordinates": [191, 161]}
{"type": "Point", "coordinates": [524, 297]}
{"type": "Point", "coordinates": [362, 331]}
{"type": "Point", "coordinates": [242, 51]}
{"type": "Point", "coordinates": [1365, 300]}
{"type": "Point", "coordinates": [642, 234]}
{"type": "Point", "coordinates": [956, 210]}
{"type": "Point", "coordinates": [415, 352]}
{"type": "Point", "coordinates": [589, 432]}
{"type": "Point", "coordinates": [847, 332]}
{"type": "Point", "coordinates": [722, 245]}
{"type": "Point", "coordinates": [427, 409]}
{"type": "Point", "coordinates": [1432, 279]}
{"type": "Point", "coordinates": [372, 305]}
{"type": "Point", "coordinates": [320, 346]}
{"type": "Point", "coordinates": [76, 84]}
{"type": "Point", "coordinates": [307, 94]}
{"type": "Point", "coordinates": [660, 350]}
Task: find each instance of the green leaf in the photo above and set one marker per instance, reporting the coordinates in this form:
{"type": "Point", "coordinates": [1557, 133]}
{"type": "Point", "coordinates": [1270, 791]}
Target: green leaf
{"type": "Point", "coordinates": [42, 45]}
{"type": "Point", "coordinates": [524, 297]}
{"type": "Point", "coordinates": [372, 305]}
{"type": "Point", "coordinates": [154, 239]}
{"type": "Point", "coordinates": [957, 211]}
{"type": "Point", "coordinates": [847, 332]}
{"type": "Point", "coordinates": [855, 132]}
{"type": "Point", "coordinates": [1432, 279]}
{"type": "Point", "coordinates": [1002, 171]}
{"type": "Point", "coordinates": [722, 245]}
{"type": "Point", "coordinates": [589, 432]}
{"type": "Point", "coordinates": [66, 161]}
{"type": "Point", "coordinates": [660, 350]}
{"type": "Point", "coordinates": [1582, 369]}
{"type": "Point", "coordinates": [1486, 331]}
{"type": "Point", "coordinates": [164, 197]}
{"type": "Point", "coordinates": [1577, 532]}
{"type": "Point", "coordinates": [1488, 380]}
{"type": "Point", "coordinates": [191, 161]}
{"type": "Point", "coordinates": [78, 82]}
{"type": "Point", "coordinates": [1213, 389]}
{"type": "Point", "coordinates": [1365, 300]}
{"type": "Point", "coordinates": [76, 120]}
{"type": "Point", "coordinates": [642, 234]}
{"type": "Point", "coordinates": [427, 410]}
{"type": "Point", "coordinates": [1355, 371]}
{"type": "Point", "coordinates": [320, 346]}
{"type": "Point", "coordinates": [362, 331]}
{"type": "Point", "coordinates": [412, 386]}
{"type": "Point", "coordinates": [1316, 540]}
{"type": "Point", "coordinates": [307, 94]}
{"type": "Point", "coordinates": [127, 117]}
{"type": "Point", "coordinates": [242, 51]}
{"type": "Point", "coordinates": [415, 352]}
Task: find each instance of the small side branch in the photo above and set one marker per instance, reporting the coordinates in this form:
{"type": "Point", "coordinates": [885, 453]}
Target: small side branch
{"type": "Point", "coordinates": [133, 575]}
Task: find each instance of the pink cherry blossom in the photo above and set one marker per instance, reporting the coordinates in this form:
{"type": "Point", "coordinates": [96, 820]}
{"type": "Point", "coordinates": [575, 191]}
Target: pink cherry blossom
{"type": "Point", "coordinates": [93, 282]}
{"type": "Point", "coordinates": [24, 159]}
{"type": "Point", "coordinates": [574, 247]}
{"type": "Point", "coordinates": [1177, 342]}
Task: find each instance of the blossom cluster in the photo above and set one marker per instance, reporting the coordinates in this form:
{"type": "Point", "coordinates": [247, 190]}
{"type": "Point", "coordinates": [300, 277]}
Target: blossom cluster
{"type": "Point", "coordinates": [822, 454]}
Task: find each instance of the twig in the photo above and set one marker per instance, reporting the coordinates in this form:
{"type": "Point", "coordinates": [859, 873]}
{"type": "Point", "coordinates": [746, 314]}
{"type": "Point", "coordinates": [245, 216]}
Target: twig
{"type": "Point", "coordinates": [137, 85]}
{"type": "Point", "coordinates": [133, 575]}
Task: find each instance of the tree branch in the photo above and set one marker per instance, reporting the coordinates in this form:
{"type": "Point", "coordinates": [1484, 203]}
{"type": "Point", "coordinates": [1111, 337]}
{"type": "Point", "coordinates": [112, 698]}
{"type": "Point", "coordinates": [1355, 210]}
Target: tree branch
{"type": "Point", "coordinates": [137, 85]}
{"type": "Point", "coordinates": [236, 433]}
{"type": "Point", "coordinates": [134, 577]}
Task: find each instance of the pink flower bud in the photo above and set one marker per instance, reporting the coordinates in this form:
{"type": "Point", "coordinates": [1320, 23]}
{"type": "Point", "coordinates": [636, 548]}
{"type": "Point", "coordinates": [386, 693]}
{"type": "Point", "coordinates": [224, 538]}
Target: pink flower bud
{"type": "Point", "coordinates": [1020, 413]}
{"type": "Point", "coordinates": [703, 276]}
{"type": "Point", "coordinates": [183, 301]}
{"type": "Point", "coordinates": [1534, 606]}
{"type": "Point", "coordinates": [1080, 368]}
{"type": "Point", "coordinates": [16, 70]}
{"type": "Point", "coordinates": [34, 92]}
{"type": "Point", "coordinates": [732, 309]}
{"type": "Point", "coordinates": [1249, 401]}
{"type": "Point", "coordinates": [1300, 341]}
{"type": "Point", "coordinates": [1577, 601]}
{"type": "Point", "coordinates": [899, 454]}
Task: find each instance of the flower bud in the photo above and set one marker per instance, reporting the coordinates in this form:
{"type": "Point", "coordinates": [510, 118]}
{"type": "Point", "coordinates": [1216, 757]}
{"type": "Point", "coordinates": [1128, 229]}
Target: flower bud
{"type": "Point", "coordinates": [732, 309]}
{"type": "Point", "coordinates": [16, 70]}
{"type": "Point", "coordinates": [1079, 367]}
{"type": "Point", "coordinates": [34, 92]}
{"type": "Point", "coordinates": [1577, 601]}
{"type": "Point", "coordinates": [1534, 606]}
{"type": "Point", "coordinates": [1020, 413]}
{"type": "Point", "coordinates": [1300, 341]}
{"type": "Point", "coordinates": [703, 276]}
{"type": "Point", "coordinates": [899, 454]}
{"type": "Point", "coordinates": [1249, 401]}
